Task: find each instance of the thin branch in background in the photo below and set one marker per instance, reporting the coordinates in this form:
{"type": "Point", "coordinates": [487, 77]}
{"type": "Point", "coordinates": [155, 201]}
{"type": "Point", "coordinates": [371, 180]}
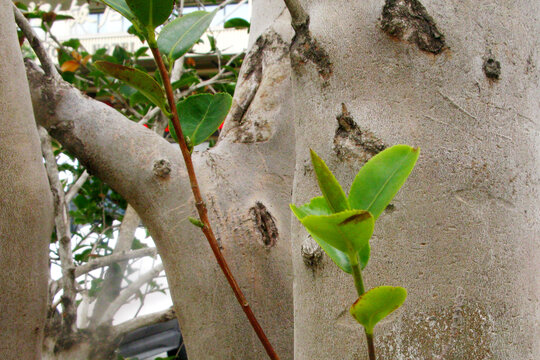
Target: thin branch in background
{"type": "Point", "coordinates": [76, 187]}
{"type": "Point", "coordinates": [36, 44]}
{"type": "Point", "coordinates": [63, 233]}
{"type": "Point", "coordinates": [112, 259]}
{"type": "Point", "coordinates": [128, 292]}
{"type": "Point", "coordinates": [149, 115]}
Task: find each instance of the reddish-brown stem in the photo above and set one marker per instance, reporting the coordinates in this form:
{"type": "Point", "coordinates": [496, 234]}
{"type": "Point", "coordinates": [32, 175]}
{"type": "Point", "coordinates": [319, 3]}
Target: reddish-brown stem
{"type": "Point", "coordinates": [371, 346]}
{"type": "Point", "coordinates": [203, 214]}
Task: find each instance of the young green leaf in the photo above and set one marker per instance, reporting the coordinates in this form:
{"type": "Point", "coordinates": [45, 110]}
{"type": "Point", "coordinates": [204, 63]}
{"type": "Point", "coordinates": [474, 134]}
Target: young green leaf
{"type": "Point", "coordinates": [178, 36]}
{"type": "Point", "coordinates": [319, 206]}
{"type": "Point", "coordinates": [348, 231]}
{"type": "Point", "coordinates": [381, 177]}
{"type": "Point", "coordinates": [376, 304]}
{"type": "Point", "coordinates": [200, 115]}
{"type": "Point", "coordinates": [138, 79]}
{"type": "Point", "coordinates": [330, 187]}
{"type": "Point", "coordinates": [151, 13]}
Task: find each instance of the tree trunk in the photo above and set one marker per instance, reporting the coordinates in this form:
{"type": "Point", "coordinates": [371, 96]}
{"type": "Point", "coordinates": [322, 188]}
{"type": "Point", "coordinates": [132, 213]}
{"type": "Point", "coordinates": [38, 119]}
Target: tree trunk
{"type": "Point", "coordinates": [461, 236]}
{"type": "Point", "coordinates": [26, 211]}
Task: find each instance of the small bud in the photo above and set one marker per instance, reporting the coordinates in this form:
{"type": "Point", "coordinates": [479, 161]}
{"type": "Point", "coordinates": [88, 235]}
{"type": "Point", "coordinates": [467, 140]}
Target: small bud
{"type": "Point", "coordinates": [196, 222]}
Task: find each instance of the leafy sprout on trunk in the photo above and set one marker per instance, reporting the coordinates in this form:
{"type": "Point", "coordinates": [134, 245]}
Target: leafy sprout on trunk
{"type": "Point", "coordinates": [343, 225]}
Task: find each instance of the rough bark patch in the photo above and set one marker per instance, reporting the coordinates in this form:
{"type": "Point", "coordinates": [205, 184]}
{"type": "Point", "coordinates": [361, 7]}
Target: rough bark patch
{"type": "Point", "coordinates": [442, 334]}
{"type": "Point", "coordinates": [304, 49]}
{"type": "Point", "coordinates": [264, 221]}
{"type": "Point", "coordinates": [353, 143]}
{"type": "Point", "coordinates": [408, 20]}
{"type": "Point", "coordinates": [244, 125]}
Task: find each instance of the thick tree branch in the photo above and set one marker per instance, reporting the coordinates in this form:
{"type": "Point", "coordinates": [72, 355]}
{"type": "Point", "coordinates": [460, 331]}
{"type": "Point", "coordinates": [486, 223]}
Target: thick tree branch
{"type": "Point", "coordinates": [145, 320]}
{"type": "Point", "coordinates": [111, 259]}
{"type": "Point", "coordinates": [128, 292]}
{"type": "Point", "coordinates": [46, 62]}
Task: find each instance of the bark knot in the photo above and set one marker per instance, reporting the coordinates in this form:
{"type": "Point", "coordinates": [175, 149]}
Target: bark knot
{"type": "Point", "coordinates": [492, 68]}
{"type": "Point", "coordinates": [353, 143]}
{"type": "Point", "coordinates": [304, 49]}
{"type": "Point", "coordinates": [162, 168]}
{"type": "Point", "coordinates": [265, 223]}
{"type": "Point", "coordinates": [311, 252]}
{"type": "Point", "coordinates": [408, 20]}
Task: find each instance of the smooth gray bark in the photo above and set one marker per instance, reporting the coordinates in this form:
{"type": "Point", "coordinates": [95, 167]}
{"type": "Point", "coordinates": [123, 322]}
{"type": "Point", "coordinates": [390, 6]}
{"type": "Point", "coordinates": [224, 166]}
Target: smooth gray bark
{"type": "Point", "coordinates": [463, 234]}
{"type": "Point", "coordinates": [26, 211]}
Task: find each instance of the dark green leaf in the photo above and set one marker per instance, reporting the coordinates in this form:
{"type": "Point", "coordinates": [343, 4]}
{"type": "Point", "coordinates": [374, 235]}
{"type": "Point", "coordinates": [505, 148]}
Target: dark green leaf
{"type": "Point", "coordinates": [138, 79]}
{"type": "Point", "coordinates": [381, 177]}
{"type": "Point", "coordinates": [141, 52]}
{"type": "Point", "coordinates": [72, 43]}
{"type": "Point", "coordinates": [376, 304]}
{"type": "Point", "coordinates": [178, 36]}
{"type": "Point", "coordinates": [122, 7]}
{"type": "Point", "coordinates": [237, 23]}
{"type": "Point", "coordinates": [151, 13]}
{"type": "Point", "coordinates": [200, 115]}
{"type": "Point", "coordinates": [330, 187]}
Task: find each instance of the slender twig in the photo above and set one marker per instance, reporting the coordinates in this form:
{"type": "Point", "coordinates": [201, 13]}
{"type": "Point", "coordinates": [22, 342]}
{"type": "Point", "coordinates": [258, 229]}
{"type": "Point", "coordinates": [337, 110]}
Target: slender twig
{"type": "Point", "coordinates": [203, 214]}
{"type": "Point", "coordinates": [33, 39]}
{"type": "Point", "coordinates": [298, 14]}
{"type": "Point", "coordinates": [77, 185]}
{"type": "Point", "coordinates": [359, 284]}
{"type": "Point", "coordinates": [112, 259]}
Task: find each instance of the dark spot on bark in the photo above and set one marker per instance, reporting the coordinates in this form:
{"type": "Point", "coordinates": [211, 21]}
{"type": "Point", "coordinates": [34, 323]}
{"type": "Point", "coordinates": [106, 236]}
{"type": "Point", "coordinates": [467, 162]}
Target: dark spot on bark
{"type": "Point", "coordinates": [492, 68]}
{"type": "Point", "coordinates": [311, 252]}
{"type": "Point", "coordinates": [64, 133]}
{"type": "Point", "coordinates": [264, 221]}
{"type": "Point", "coordinates": [304, 48]}
{"type": "Point", "coordinates": [390, 208]}
{"type": "Point", "coordinates": [356, 218]}
{"type": "Point", "coordinates": [408, 20]}
{"type": "Point", "coordinates": [162, 168]}
{"type": "Point", "coordinates": [351, 142]}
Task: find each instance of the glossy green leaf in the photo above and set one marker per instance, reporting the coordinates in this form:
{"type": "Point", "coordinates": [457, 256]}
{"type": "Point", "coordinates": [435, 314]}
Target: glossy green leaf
{"type": "Point", "coordinates": [122, 7]}
{"type": "Point", "coordinates": [200, 115]}
{"type": "Point", "coordinates": [138, 79]}
{"type": "Point", "coordinates": [381, 177]}
{"type": "Point", "coordinates": [330, 187]}
{"type": "Point", "coordinates": [348, 231]}
{"type": "Point", "coordinates": [151, 13]}
{"type": "Point", "coordinates": [178, 36]}
{"type": "Point", "coordinates": [319, 206]}
{"type": "Point", "coordinates": [376, 304]}
{"type": "Point", "coordinates": [236, 23]}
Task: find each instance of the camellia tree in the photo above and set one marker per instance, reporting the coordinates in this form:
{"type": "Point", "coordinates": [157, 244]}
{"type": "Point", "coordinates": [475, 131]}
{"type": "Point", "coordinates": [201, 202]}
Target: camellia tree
{"type": "Point", "coordinates": [347, 79]}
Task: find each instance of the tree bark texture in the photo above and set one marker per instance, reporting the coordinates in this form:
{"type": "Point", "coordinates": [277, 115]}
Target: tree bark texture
{"type": "Point", "coordinates": [463, 233]}
{"type": "Point", "coordinates": [26, 210]}
{"type": "Point", "coordinates": [457, 78]}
